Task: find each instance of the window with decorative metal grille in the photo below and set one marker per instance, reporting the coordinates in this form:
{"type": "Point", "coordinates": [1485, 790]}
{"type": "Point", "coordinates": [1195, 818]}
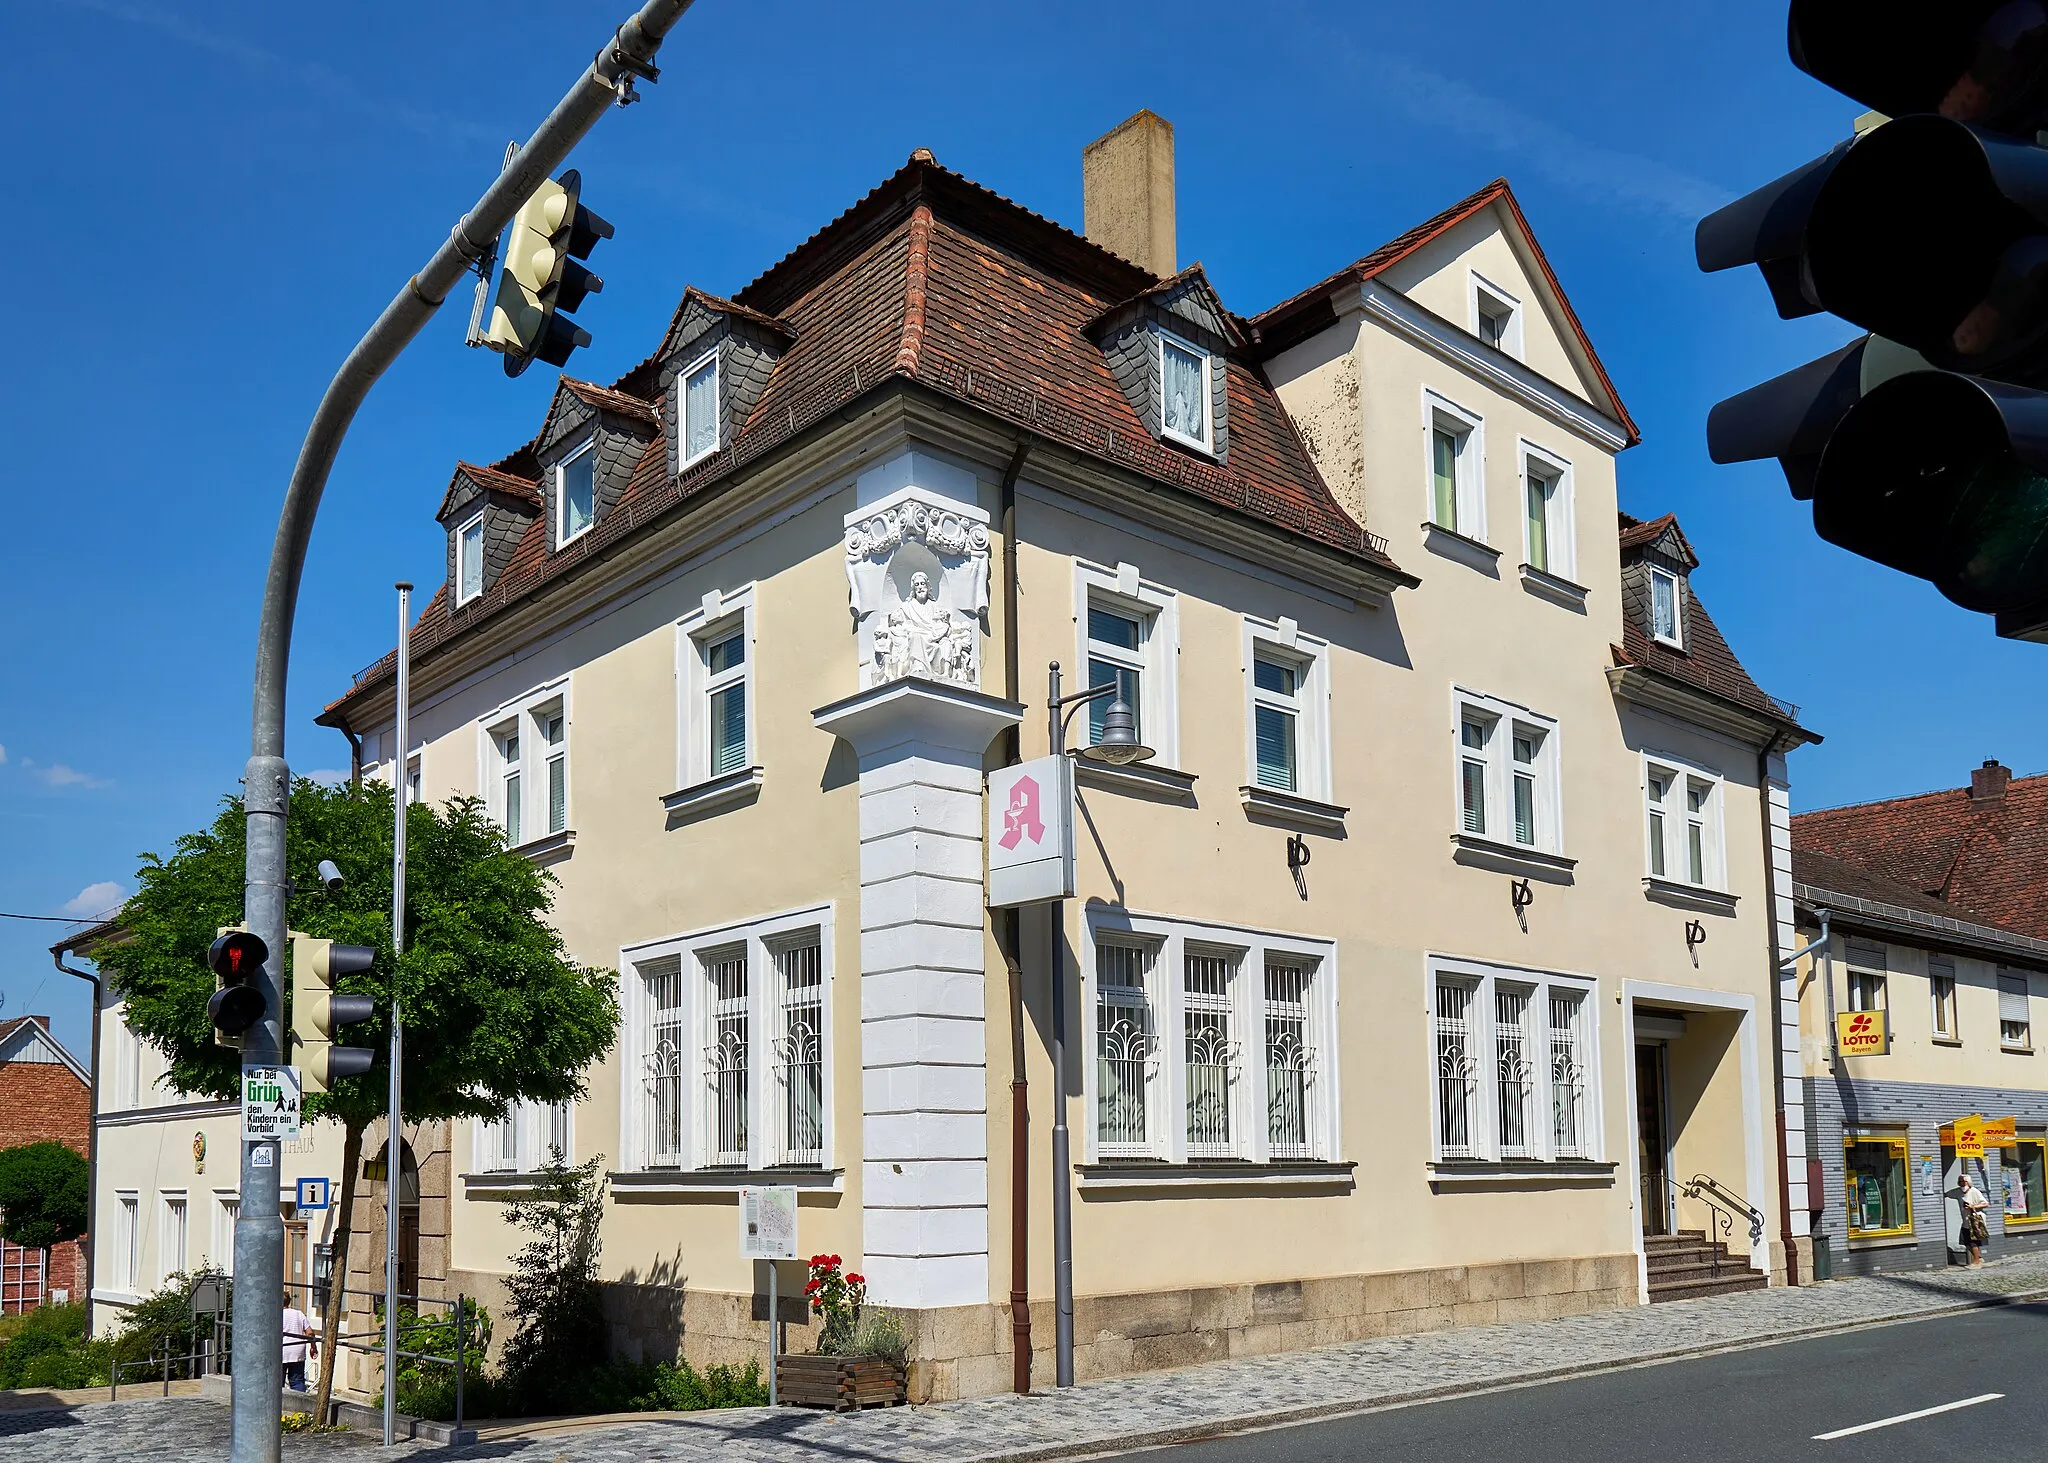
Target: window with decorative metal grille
{"type": "Point", "coordinates": [1514, 1072]}
{"type": "Point", "coordinates": [1244, 1075]}
{"type": "Point", "coordinates": [732, 1028]}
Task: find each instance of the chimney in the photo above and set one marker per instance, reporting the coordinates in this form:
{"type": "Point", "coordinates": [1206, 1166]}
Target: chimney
{"type": "Point", "coordinates": [1987, 783]}
{"type": "Point", "coordinates": [1127, 192]}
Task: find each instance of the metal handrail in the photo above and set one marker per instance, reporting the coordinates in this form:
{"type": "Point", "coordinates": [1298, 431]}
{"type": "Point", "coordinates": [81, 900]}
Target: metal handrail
{"type": "Point", "coordinates": [1725, 1205]}
{"type": "Point", "coordinates": [461, 1318]}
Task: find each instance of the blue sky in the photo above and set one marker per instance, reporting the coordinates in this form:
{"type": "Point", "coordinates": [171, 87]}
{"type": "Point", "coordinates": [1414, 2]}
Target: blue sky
{"type": "Point", "coordinates": [216, 199]}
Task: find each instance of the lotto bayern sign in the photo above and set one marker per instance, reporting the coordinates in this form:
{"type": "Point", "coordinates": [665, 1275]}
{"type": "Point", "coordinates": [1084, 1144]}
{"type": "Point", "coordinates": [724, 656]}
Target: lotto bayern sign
{"type": "Point", "coordinates": [1031, 832]}
{"type": "Point", "coordinates": [1863, 1034]}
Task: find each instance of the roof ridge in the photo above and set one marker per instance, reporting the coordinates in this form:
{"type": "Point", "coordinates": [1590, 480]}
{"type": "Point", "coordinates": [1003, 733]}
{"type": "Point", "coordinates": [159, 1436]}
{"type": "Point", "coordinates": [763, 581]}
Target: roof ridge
{"type": "Point", "coordinates": [916, 272]}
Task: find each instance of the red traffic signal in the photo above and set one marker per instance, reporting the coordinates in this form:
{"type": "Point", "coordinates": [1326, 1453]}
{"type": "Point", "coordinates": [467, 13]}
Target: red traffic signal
{"type": "Point", "coordinates": [236, 958]}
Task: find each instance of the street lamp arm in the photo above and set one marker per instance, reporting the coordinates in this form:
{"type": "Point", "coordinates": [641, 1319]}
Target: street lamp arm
{"type": "Point", "coordinates": [1073, 702]}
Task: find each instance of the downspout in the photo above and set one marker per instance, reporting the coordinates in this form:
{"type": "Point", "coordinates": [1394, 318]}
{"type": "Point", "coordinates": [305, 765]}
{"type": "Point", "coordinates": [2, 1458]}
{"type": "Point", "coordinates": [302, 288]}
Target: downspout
{"type": "Point", "coordinates": [355, 753]}
{"type": "Point", "coordinates": [1007, 928]}
{"type": "Point", "coordinates": [1785, 1235]}
{"type": "Point", "coordinates": [92, 1137]}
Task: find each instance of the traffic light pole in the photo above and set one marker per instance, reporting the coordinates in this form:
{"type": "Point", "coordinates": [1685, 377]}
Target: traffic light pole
{"type": "Point", "coordinates": [259, 1227]}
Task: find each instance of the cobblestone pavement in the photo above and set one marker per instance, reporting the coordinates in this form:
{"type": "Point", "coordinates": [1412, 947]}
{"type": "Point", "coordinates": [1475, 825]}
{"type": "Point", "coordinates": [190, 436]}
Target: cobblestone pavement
{"type": "Point", "coordinates": [1158, 1407]}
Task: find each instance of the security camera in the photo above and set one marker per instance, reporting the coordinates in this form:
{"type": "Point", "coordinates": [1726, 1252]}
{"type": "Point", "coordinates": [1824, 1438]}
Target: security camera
{"type": "Point", "coordinates": [330, 876]}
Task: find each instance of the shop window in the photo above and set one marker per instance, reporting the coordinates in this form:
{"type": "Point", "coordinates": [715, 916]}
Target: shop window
{"type": "Point", "coordinates": [1880, 1197]}
{"type": "Point", "coordinates": [2025, 1171]}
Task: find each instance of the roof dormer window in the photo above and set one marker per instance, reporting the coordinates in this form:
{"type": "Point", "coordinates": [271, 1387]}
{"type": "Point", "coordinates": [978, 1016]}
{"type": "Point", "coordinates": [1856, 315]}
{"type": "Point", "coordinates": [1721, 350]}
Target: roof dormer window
{"type": "Point", "coordinates": [700, 408]}
{"type": "Point", "coordinates": [1184, 393]}
{"type": "Point", "coordinates": [576, 493]}
{"type": "Point", "coordinates": [469, 560]}
{"type": "Point", "coordinates": [1665, 624]}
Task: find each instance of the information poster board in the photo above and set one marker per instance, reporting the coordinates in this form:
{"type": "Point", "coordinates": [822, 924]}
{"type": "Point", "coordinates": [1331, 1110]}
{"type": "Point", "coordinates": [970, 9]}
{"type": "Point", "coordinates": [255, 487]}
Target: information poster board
{"type": "Point", "coordinates": [768, 1224]}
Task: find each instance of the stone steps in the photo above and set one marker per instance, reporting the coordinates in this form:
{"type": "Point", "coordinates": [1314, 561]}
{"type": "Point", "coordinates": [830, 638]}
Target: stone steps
{"type": "Point", "coordinates": [1686, 1265]}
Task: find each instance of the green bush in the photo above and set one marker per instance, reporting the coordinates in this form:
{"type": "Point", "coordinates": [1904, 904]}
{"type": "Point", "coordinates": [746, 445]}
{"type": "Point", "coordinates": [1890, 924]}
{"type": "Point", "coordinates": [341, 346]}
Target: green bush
{"type": "Point", "coordinates": [656, 1386]}
{"type": "Point", "coordinates": [682, 1388]}
{"type": "Point", "coordinates": [163, 1322]}
{"type": "Point", "coordinates": [46, 1347]}
{"type": "Point", "coordinates": [877, 1334]}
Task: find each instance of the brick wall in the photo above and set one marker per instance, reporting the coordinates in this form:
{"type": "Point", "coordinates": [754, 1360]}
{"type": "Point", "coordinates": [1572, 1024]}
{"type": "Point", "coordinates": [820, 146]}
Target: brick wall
{"type": "Point", "coordinates": [45, 1102]}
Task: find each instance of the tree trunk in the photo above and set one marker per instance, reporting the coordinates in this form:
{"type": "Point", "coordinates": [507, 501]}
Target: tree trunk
{"type": "Point", "coordinates": [337, 1283]}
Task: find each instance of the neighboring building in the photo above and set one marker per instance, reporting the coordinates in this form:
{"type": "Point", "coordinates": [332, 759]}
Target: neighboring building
{"type": "Point", "coordinates": [45, 1097]}
{"type": "Point", "coordinates": [167, 1185]}
{"type": "Point", "coordinates": [1423, 976]}
{"type": "Point", "coordinates": [1935, 926]}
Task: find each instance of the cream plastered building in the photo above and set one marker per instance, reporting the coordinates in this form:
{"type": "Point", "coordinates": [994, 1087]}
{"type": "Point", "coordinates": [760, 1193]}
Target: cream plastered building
{"type": "Point", "coordinates": [1421, 972]}
{"type": "Point", "coordinates": [1954, 993]}
{"type": "Point", "coordinates": [166, 1184]}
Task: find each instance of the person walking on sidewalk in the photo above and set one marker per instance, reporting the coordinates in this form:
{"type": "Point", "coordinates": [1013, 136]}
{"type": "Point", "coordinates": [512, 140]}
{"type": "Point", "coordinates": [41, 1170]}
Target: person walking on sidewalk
{"type": "Point", "coordinates": [1976, 1231]}
{"type": "Point", "coordinates": [299, 1341]}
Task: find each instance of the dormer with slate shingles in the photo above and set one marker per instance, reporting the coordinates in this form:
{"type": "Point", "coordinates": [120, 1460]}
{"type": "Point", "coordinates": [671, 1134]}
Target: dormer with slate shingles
{"type": "Point", "coordinates": [713, 363]}
{"type": "Point", "coordinates": [1656, 570]}
{"type": "Point", "coordinates": [1166, 347]}
{"type": "Point", "coordinates": [486, 512]}
{"type": "Point", "coordinates": [590, 443]}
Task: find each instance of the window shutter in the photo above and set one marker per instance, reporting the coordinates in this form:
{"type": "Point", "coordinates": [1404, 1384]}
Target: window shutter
{"type": "Point", "coordinates": [2012, 998]}
{"type": "Point", "coordinates": [1867, 957]}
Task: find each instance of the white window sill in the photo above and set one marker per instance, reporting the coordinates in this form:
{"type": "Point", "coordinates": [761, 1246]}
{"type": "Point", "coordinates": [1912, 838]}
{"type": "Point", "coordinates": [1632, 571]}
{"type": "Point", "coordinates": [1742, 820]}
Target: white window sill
{"type": "Point", "coordinates": [550, 848]}
{"type": "Point", "coordinates": [117, 1297]}
{"type": "Point", "coordinates": [1153, 1176]}
{"type": "Point", "coordinates": [1193, 444]}
{"type": "Point", "coordinates": [1688, 896]}
{"type": "Point", "coordinates": [1522, 1172]}
{"type": "Point", "coordinates": [1454, 545]}
{"type": "Point", "coordinates": [505, 1181]}
{"type": "Point", "coordinates": [1137, 779]}
{"type": "Point", "coordinates": [1669, 644]}
{"type": "Point", "coordinates": [1947, 1040]}
{"type": "Point", "coordinates": [1512, 858]}
{"type": "Point", "coordinates": [702, 799]}
{"type": "Point", "coordinates": [1557, 590]}
{"type": "Point", "coordinates": [2013, 1051]}
{"type": "Point", "coordinates": [671, 1183]}
{"type": "Point", "coordinates": [1265, 805]}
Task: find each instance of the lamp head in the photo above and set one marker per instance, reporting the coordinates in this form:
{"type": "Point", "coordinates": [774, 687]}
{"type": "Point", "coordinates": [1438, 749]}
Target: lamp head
{"type": "Point", "coordinates": [1119, 745]}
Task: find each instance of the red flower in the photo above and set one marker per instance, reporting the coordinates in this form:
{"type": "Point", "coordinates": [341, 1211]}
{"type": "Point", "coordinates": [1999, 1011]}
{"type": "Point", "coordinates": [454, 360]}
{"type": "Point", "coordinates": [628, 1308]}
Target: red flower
{"type": "Point", "coordinates": [856, 1280]}
{"type": "Point", "coordinates": [834, 1262]}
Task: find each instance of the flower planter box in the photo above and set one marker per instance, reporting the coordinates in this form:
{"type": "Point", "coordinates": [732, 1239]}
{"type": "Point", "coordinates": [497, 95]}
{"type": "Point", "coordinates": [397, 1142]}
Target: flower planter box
{"type": "Point", "coordinates": [842, 1383]}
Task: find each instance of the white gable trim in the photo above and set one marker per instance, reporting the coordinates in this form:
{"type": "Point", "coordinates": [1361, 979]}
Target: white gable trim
{"type": "Point", "coordinates": [1503, 373]}
{"type": "Point", "coordinates": [29, 1043]}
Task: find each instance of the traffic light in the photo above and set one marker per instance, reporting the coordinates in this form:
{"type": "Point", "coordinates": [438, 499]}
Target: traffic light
{"type": "Point", "coordinates": [236, 958]}
{"type": "Point", "coordinates": [542, 279]}
{"type": "Point", "coordinates": [1924, 445]}
{"type": "Point", "coordinates": [318, 1009]}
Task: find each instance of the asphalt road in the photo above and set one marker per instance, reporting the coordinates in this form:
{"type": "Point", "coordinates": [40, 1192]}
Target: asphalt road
{"type": "Point", "coordinates": [1738, 1407]}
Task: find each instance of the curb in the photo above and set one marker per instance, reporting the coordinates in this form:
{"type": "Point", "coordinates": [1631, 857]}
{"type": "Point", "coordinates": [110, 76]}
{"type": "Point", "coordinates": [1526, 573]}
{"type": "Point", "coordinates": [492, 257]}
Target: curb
{"type": "Point", "coordinates": [1320, 1411]}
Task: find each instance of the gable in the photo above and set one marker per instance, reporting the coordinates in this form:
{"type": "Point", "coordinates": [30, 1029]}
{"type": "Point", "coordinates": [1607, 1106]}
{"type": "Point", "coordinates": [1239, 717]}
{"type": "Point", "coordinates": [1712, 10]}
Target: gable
{"type": "Point", "coordinates": [28, 1044]}
{"type": "Point", "coordinates": [1489, 249]}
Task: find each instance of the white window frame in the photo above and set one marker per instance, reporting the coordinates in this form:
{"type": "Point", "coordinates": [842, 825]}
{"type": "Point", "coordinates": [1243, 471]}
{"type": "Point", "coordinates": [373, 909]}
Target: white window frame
{"type": "Point", "coordinates": [1485, 980]}
{"type": "Point", "coordinates": [683, 453]}
{"type": "Point", "coordinates": [127, 1065]}
{"type": "Point", "coordinates": [1125, 591]}
{"type": "Point", "coordinates": [1682, 773]}
{"type": "Point", "coordinates": [760, 938]}
{"type": "Point", "coordinates": [1481, 293]}
{"type": "Point", "coordinates": [227, 1205]}
{"type": "Point", "coordinates": [1169, 940]}
{"type": "Point", "coordinates": [1506, 718]}
{"type": "Point", "coordinates": [562, 536]}
{"type": "Point", "coordinates": [463, 557]}
{"type": "Point", "coordinates": [1205, 442]}
{"type": "Point", "coordinates": [2025, 1043]}
{"type": "Point", "coordinates": [1676, 640]}
{"type": "Point", "coordinates": [520, 1141]}
{"type": "Point", "coordinates": [1942, 1013]}
{"type": "Point", "coordinates": [1310, 705]}
{"type": "Point", "coordinates": [707, 625]}
{"type": "Point", "coordinates": [167, 1201]}
{"type": "Point", "coordinates": [1560, 515]}
{"type": "Point", "coordinates": [127, 1238]}
{"type": "Point", "coordinates": [1468, 466]}
{"type": "Point", "coordinates": [528, 715]}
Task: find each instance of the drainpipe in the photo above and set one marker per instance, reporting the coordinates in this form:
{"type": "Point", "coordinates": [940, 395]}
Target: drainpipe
{"type": "Point", "coordinates": [92, 1137]}
{"type": "Point", "coordinates": [1785, 1235]}
{"type": "Point", "coordinates": [1008, 931]}
{"type": "Point", "coordinates": [355, 753]}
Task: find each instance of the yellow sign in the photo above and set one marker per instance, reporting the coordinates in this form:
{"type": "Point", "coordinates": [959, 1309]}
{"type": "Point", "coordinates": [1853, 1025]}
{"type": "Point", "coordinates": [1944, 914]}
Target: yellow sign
{"type": "Point", "coordinates": [1969, 1137]}
{"type": "Point", "coordinates": [1863, 1034]}
{"type": "Point", "coordinates": [1972, 1135]}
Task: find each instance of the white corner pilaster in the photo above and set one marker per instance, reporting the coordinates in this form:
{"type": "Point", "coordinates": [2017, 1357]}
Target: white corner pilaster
{"type": "Point", "coordinates": [924, 1049]}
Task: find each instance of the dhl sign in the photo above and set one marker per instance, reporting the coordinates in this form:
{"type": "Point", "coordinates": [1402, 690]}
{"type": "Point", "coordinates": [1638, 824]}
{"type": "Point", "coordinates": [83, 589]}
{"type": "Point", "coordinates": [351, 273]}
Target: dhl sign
{"type": "Point", "coordinates": [1972, 1135]}
{"type": "Point", "coordinates": [1863, 1034]}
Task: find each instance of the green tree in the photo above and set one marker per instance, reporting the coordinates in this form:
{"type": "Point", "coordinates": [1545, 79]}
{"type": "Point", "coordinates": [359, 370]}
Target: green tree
{"type": "Point", "coordinates": [495, 1010]}
{"type": "Point", "coordinates": [42, 1195]}
{"type": "Point", "coordinates": [556, 1298]}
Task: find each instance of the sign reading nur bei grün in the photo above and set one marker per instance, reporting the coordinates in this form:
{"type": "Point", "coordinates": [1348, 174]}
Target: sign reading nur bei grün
{"type": "Point", "coordinates": [270, 1103]}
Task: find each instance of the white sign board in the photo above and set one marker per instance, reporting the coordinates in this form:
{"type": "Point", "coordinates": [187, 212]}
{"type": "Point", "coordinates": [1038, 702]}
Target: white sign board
{"type": "Point", "coordinates": [1031, 832]}
{"type": "Point", "coordinates": [270, 1103]}
{"type": "Point", "coordinates": [313, 1194]}
{"type": "Point", "coordinates": [768, 1224]}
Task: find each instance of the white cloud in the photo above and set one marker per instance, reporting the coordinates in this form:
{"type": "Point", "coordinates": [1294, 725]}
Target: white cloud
{"type": "Point", "coordinates": [1627, 180]}
{"type": "Point", "coordinates": [3, 756]}
{"type": "Point", "coordinates": [95, 901]}
{"type": "Point", "coordinates": [56, 774]}
{"type": "Point", "coordinates": [327, 776]}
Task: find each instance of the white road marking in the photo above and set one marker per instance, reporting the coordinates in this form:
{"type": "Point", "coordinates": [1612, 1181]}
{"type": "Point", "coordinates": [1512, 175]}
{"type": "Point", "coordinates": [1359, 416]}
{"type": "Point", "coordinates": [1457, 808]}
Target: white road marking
{"type": "Point", "coordinates": [1849, 1432]}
